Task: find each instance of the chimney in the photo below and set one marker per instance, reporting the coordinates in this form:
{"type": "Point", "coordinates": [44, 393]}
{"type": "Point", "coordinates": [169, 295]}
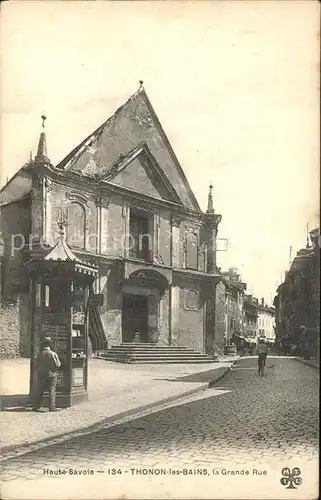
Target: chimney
{"type": "Point", "coordinates": [262, 302]}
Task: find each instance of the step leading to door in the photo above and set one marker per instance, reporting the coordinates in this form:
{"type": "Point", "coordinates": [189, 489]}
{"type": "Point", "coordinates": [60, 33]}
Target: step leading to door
{"type": "Point", "coordinates": [149, 353]}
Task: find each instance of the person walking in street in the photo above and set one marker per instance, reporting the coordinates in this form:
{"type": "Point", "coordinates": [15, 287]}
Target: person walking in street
{"type": "Point", "coordinates": [262, 350]}
{"type": "Point", "coordinates": [47, 365]}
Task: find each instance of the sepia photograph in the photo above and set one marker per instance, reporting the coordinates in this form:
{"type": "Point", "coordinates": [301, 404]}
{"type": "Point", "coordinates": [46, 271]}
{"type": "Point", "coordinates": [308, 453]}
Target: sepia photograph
{"type": "Point", "coordinates": [159, 249]}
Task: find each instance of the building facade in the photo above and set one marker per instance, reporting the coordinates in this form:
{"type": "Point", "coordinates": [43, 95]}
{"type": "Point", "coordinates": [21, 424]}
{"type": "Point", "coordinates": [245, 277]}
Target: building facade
{"type": "Point", "coordinates": [234, 296]}
{"type": "Point", "coordinates": [220, 317]}
{"type": "Point", "coordinates": [229, 309]}
{"type": "Point", "coordinates": [298, 298]}
{"type": "Point", "coordinates": [266, 322]}
{"type": "Point", "coordinates": [250, 322]}
{"type": "Point", "coordinates": [129, 210]}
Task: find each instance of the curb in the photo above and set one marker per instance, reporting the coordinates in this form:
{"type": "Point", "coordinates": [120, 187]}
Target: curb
{"type": "Point", "coordinates": [306, 362]}
{"type": "Point", "coordinates": [226, 370]}
{"type": "Point", "coordinates": [20, 449]}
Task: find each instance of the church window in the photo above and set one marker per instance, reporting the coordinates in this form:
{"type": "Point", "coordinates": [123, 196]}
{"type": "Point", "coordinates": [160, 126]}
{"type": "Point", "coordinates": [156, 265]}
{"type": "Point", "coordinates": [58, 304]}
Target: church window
{"type": "Point", "coordinates": [47, 296]}
{"type": "Point", "coordinates": [38, 294]}
{"type": "Point", "coordinates": [140, 237]}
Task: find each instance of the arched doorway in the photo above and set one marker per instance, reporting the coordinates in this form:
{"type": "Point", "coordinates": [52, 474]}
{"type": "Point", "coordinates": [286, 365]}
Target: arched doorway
{"type": "Point", "coordinates": [135, 318]}
{"type": "Point", "coordinates": [141, 294]}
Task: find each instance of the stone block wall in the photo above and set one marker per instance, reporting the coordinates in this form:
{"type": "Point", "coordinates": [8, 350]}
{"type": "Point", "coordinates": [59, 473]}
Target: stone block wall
{"type": "Point", "coordinates": [9, 329]}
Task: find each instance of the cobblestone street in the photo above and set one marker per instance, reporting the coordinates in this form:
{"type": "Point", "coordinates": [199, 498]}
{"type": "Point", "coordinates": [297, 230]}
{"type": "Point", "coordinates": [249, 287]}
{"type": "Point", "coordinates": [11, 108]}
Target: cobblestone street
{"type": "Point", "coordinates": [244, 421]}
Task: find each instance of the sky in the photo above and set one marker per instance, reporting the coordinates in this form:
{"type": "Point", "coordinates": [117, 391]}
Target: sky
{"type": "Point", "coordinates": [234, 84]}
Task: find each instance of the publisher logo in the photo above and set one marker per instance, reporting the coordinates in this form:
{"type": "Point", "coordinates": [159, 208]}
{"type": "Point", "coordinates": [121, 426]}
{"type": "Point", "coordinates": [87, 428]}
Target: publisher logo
{"type": "Point", "coordinates": [291, 479]}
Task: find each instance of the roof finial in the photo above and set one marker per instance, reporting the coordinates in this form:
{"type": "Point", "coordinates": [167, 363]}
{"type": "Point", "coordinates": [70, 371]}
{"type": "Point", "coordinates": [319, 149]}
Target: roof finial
{"type": "Point", "coordinates": [62, 231]}
{"type": "Point", "coordinates": [41, 155]}
{"type": "Point", "coordinates": [290, 259]}
{"type": "Point", "coordinates": [210, 209]}
{"type": "Point", "coordinates": [308, 242]}
{"type": "Point", "coordinates": [141, 84]}
{"type": "Point", "coordinates": [62, 223]}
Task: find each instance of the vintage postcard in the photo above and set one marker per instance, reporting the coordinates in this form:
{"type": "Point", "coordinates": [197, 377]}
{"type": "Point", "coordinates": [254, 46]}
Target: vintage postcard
{"type": "Point", "coordinates": [159, 250]}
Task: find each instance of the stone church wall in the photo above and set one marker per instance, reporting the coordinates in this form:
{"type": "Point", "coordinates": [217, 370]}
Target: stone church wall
{"type": "Point", "coordinates": [190, 326]}
{"type": "Point", "coordinates": [163, 319]}
{"type": "Point", "coordinates": [110, 312]}
{"type": "Point", "coordinates": [165, 237]}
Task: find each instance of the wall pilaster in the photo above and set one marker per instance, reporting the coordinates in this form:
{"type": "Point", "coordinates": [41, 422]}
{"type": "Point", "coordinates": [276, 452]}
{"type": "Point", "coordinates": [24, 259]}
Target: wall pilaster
{"type": "Point", "coordinates": [174, 313]}
{"type": "Point", "coordinates": [176, 223]}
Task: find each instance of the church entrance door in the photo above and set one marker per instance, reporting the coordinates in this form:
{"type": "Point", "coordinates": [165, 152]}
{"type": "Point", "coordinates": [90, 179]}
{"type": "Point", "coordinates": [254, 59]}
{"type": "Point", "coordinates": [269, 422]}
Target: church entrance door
{"type": "Point", "coordinates": [135, 318]}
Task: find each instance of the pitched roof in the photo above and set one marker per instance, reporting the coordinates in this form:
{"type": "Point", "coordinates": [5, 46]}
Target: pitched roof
{"type": "Point", "coordinates": [142, 151]}
{"type": "Point", "coordinates": [135, 122]}
{"type": "Point", "coordinates": [62, 253]}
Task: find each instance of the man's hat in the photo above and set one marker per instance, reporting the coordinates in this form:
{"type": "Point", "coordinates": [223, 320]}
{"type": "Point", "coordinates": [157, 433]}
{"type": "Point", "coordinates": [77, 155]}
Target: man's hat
{"type": "Point", "coordinates": [46, 341]}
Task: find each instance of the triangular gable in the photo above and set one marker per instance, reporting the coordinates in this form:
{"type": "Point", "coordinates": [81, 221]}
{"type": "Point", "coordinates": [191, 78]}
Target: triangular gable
{"type": "Point", "coordinates": [139, 172]}
{"type": "Point", "coordinates": [133, 123]}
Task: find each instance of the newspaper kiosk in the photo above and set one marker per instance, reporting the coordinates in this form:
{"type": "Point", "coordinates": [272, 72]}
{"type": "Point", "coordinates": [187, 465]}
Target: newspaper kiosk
{"type": "Point", "coordinates": [60, 286]}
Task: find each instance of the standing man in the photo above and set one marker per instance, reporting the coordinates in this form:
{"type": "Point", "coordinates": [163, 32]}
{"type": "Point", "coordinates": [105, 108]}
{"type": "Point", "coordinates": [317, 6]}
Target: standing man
{"type": "Point", "coordinates": [47, 374]}
{"type": "Point", "coordinates": [304, 342]}
{"type": "Point", "coordinates": [262, 350]}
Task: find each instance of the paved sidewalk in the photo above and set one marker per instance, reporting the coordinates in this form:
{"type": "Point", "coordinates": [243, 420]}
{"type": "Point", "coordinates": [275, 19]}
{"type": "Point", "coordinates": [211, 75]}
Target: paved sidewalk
{"type": "Point", "coordinates": [116, 390]}
{"type": "Point", "coordinates": [310, 362]}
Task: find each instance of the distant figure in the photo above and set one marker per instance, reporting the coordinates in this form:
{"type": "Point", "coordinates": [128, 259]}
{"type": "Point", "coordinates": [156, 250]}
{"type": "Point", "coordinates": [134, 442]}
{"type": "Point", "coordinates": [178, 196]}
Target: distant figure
{"type": "Point", "coordinates": [136, 337]}
{"type": "Point", "coordinates": [47, 374]}
{"type": "Point", "coordinates": [294, 349]}
{"type": "Point", "coordinates": [262, 350]}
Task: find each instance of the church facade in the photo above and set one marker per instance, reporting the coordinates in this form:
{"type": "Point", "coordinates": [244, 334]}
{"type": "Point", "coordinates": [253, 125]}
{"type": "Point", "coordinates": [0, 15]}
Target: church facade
{"type": "Point", "coordinates": [129, 210]}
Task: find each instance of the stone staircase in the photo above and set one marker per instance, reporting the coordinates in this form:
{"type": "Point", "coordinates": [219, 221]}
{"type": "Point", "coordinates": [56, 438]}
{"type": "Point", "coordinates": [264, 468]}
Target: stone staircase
{"type": "Point", "coordinates": [151, 353]}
